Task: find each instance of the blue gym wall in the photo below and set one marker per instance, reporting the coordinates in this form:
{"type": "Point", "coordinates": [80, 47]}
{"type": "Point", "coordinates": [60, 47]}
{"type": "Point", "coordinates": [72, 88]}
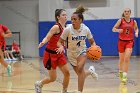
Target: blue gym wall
{"type": "Point", "coordinates": [102, 32]}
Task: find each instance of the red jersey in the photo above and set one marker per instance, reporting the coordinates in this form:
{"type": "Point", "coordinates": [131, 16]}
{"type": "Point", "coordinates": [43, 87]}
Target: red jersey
{"type": "Point", "coordinates": [3, 29]}
{"type": "Point", "coordinates": [52, 44]}
{"type": "Point", "coordinates": [128, 30]}
{"type": "Point", "coordinates": [15, 47]}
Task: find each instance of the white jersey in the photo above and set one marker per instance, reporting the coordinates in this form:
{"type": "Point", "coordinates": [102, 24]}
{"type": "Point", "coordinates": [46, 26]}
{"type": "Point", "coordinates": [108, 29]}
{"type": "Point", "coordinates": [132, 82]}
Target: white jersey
{"type": "Point", "coordinates": [76, 38]}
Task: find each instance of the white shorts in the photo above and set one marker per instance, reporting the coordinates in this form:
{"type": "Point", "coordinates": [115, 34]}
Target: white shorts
{"type": "Point", "coordinates": [72, 56]}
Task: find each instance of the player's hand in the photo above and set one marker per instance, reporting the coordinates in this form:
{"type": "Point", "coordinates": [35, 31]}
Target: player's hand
{"type": "Point", "coordinates": [41, 44]}
{"type": "Point", "coordinates": [136, 34]}
{"type": "Point", "coordinates": [60, 50]}
{"type": "Point", "coordinates": [96, 45]}
{"type": "Point", "coordinates": [120, 30]}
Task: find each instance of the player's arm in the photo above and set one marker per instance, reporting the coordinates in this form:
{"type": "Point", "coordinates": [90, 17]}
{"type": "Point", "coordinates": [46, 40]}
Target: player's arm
{"type": "Point", "coordinates": [52, 31]}
{"type": "Point", "coordinates": [92, 41]}
{"type": "Point", "coordinates": [136, 29]}
{"type": "Point", "coordinates": [90, 37]}
{"type": "Point", "coordinates": [61, 41]}
{"type": "Point", "coordinates": [60, 48]}
{"type": "Point", "coordinates": [116, 27]}
{"type": "Point", "coordinates": [7, 33]}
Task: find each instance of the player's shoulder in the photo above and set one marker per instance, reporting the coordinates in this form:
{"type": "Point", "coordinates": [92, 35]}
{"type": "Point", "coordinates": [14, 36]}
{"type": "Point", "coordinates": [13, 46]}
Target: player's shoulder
{"type": "Point", "coordinates": [68, 26]}
{"type": "Point", "coordinates": [55, 27]}
{"type": "Point", "coordinates": [85, 26]}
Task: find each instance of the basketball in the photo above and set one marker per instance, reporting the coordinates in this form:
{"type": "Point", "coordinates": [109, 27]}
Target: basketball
{"type": "Point", "coordinates": [94, 53]}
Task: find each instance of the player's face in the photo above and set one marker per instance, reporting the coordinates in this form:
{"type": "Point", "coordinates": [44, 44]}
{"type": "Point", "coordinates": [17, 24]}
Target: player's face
{"type": "Point", "coordinates": [75, 21]}
{"type": "Point", "coordinates": [63, 16]}
{"type": "Point", "coordinates": [127, 12]}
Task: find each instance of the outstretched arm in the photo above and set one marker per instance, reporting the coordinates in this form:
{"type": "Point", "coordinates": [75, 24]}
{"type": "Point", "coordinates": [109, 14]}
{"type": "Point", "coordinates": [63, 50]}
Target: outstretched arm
{"type": "Point", "coordinates": [8, 33]}
{"type": "Point", "coordinates": [52, 31]}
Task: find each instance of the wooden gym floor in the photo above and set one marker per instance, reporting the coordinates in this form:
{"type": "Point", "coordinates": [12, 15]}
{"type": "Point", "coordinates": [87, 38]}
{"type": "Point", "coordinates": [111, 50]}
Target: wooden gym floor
{"type": "Point", "coordinates": [26, 72]}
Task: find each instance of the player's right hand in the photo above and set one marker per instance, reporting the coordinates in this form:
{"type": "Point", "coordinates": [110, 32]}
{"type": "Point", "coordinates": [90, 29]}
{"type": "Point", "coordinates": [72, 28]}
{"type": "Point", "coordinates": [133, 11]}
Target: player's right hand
{"type": "Point", "coordinates": [120, 30]}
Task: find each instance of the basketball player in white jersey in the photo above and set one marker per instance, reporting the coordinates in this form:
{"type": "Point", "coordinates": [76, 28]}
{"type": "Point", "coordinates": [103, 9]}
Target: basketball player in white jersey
{"type": "Point", "coordinates": [77, 33]}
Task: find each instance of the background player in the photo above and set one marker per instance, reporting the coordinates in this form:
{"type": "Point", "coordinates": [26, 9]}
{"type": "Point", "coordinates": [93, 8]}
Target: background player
{"type": "Point", "coordinates": [125, 27]}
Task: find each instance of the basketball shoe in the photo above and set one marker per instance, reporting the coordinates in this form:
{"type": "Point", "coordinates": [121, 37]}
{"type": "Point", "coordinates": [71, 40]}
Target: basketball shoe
{"type": "Point", "coordinates": [64, 91]}
{"type": "Point", "coordinates": [38, 87]}
{"type": "Point", "coordinates": [124, 79]}
{"type": "Point", "coordinates": [93, 73]}
{"type": "Point", "coordinates": [9, 70]}
{"type": "Point", "coordinates": [121, 75]}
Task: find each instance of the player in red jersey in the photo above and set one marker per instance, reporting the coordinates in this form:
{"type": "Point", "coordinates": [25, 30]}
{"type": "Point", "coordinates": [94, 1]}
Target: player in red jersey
{"type": "Point", "coordinates": [51, 59]}
{"type": "Point", "coordinates": [126, 28]}
{"type": "Point", "coordinates": [4, 33]}
{"type": "Point", "coordinates": [16, 49]}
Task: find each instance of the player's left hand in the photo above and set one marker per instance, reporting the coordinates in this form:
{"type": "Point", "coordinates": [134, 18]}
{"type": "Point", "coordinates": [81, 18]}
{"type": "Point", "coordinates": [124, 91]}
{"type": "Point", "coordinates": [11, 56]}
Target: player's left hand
{"type": "Point", "coordinates": [136, 34]}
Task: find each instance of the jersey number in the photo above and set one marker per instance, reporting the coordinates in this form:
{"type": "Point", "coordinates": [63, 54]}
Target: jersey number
{"type": "Point", "coordinates": [78, 44]}
{"type": "Point", "coordinates": [127, 31]}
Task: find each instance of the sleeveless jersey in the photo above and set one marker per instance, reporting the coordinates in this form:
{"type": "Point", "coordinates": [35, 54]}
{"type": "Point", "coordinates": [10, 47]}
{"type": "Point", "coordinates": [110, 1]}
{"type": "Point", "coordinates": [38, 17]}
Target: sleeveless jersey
{"type": "Point", "coordinates": [52, 43]}
{"type": "Point", "coordinates": [128, 30]}
{"type": "Point", "coordinates": [3, 29]}
{"type": "Point", "coordinates": [76, 38]}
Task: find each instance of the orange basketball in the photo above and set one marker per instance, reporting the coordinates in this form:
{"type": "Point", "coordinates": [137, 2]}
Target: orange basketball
{"type": "Point", "coordinates": [94, 52]}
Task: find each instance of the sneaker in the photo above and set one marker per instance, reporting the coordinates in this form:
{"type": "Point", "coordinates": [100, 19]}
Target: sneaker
{"type": "Point", "coordinates": [92, 72]}
{"type": "Point", "coordinates": [79, 92]}
{"type": "Point", "coordinates": [124, 79]}
{"type": "Point", "coordinates": [38, 87]}
{"type": "Point", "coordinates": [14, 59]}
{"type": "Point", "coordinates": [121, 75]}
{"type": "Point", "coordinates": [9, 70]}
{"type": "Point", "coordinates": [63, 92]}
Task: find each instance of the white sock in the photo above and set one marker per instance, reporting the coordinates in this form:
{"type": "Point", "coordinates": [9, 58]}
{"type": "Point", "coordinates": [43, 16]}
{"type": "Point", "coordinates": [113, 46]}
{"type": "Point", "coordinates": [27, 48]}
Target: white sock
{"type": "Point", "coordinates": [64, 90]}
{"type": "Point", "coordinates": [79, 92]}
{"type": "Point", "coordinates": [124, 74]}
{"type": "Point", "coordinates": [120, 71]}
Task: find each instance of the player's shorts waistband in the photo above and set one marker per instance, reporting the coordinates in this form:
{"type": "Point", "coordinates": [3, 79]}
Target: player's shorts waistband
{"type": "Point", "coordinates": [50, 51]}
{"type": "Point", "coordinates": [126, 40]}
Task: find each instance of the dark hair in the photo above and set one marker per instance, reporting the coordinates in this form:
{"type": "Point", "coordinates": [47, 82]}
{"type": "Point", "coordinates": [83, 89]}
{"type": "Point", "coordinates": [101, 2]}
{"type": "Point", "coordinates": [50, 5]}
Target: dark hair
{"type": "Point", "coordinates": [79, 11]}
{"type": "Point", "coordinates": [122, 14]}
{"type": "Point", "coordinates": [57, 13]}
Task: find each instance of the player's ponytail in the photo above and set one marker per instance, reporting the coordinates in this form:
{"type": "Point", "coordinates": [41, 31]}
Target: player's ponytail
{"type": "Point", "coordinates": [79, 11]}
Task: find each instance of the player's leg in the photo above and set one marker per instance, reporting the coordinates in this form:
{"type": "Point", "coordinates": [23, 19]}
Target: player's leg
{"type": "Point", "coordinates": [121, 65]}
{"type": "Point", "coordinates": [121, 49]}
{"type": "Point", "coordinates": [51, 78]}
{"type": "Point", "coordinates": [128, 53]}
{"type": "Point", "coordinates": [81, 72]}
{"type": "Point", "coordinates": [66, 73]}
{"type": "Point", "coordinates": [4, 63]}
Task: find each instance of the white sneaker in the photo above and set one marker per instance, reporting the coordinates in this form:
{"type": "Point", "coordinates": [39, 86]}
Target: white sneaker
{"type": "Point", "coordinates": [93, 73]}
{"type": "Point", "coordinates": [38, 87]}
{"type": "Point", "coordinates": [63, 92]}
{"type": "Point", "coordinates": [14, 59]}
{"type": "Point", "coordinates": [79, 92]}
